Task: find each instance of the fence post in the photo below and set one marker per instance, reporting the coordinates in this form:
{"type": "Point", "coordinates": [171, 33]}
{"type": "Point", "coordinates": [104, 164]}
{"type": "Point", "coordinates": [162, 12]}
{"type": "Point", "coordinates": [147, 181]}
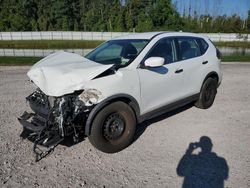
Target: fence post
{"type": "Point", "coordinates": [10, 36]}
{"type": "Point", "coordinates": [1, 36]}
{"type": "Point", "coordinates": [41, 35]}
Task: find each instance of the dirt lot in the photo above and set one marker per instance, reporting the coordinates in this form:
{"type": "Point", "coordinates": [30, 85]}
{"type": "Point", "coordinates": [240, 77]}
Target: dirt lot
{"type": "Point", "coordinates": [152, 160]}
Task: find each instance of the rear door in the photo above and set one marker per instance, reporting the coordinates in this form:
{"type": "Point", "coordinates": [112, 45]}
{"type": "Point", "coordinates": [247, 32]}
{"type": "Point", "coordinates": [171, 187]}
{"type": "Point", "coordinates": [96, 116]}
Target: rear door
{"type": "Point", "coordinates": [193, 63]}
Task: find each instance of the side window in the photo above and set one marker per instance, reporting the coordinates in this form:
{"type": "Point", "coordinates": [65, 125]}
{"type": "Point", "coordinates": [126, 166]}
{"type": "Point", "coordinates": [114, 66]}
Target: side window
{"type": "Point", "coordinates": [164, 48]}
{"type": "Point", "coordinates": [189, 48]}
{"type": "Point", "coordinates": [203, 45]}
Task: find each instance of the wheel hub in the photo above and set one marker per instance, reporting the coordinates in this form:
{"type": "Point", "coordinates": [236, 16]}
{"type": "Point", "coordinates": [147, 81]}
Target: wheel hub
{"type": "Point", "coordinates": [113, 126]}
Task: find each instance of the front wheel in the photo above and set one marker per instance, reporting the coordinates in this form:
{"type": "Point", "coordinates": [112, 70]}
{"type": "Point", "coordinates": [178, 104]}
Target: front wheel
{"type": "Point", "coordinates": [207, 94]}
{"type": "Point", "coordinates": [113, 128]}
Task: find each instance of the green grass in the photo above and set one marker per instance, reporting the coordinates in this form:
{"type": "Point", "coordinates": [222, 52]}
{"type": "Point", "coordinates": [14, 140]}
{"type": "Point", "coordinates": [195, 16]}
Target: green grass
{"type": "Point", "coordinates": [19, 60]}
{"type": "Point", "coordinates": [8, 61]}
{"type": "Point", "coordinates": [50, 44]}
{"type": "Point", "coordinates": [235, 58]}
{"type": "Point", "coordinates": [82, 44]}
{"type": "Point", "coordinates": [233, 44]}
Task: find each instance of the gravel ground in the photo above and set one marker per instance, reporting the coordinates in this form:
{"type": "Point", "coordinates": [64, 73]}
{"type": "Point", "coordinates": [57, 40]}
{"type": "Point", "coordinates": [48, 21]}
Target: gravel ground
{"type": "Point", "coordinates": [152, 160]}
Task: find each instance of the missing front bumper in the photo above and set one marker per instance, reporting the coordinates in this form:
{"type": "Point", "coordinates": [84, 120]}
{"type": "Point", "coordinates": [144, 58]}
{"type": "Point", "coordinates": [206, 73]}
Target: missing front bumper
{"type": "Point", "coordinates": [26, 122]}
{"type": "Point", "coordinates": [53, 119]}
{"type": "Point", "coordinates": [34, 129]}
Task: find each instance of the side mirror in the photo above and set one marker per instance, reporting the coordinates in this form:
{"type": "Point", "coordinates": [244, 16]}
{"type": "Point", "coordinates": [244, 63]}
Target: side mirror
{"type": "Point", "coordinates": [154, 62]}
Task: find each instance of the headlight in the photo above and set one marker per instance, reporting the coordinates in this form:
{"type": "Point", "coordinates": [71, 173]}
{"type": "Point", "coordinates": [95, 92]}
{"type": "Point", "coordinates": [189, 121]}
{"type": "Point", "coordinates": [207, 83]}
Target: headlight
{"type": "Point", "coordinates": [90, 96]}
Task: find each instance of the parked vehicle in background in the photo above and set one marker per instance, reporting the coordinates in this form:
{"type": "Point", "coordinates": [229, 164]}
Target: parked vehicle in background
{"type": "Point", "coordinates": [121, 83]}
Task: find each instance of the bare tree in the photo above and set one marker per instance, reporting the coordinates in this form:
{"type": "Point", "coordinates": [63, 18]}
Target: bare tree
{"type": "Point", "coordinates": [217, 7]}
{"type": "Point", "coordinates": [206, 7]}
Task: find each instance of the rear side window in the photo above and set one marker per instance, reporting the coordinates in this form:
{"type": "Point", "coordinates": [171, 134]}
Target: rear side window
{"type": "Point", "coordinates": [188, 48]}
{"type": "Point", "coordinates": [203, 45]}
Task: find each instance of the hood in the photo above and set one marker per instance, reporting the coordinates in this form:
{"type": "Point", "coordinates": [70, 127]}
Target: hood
{"type": "Point", "coordinates": [63, 73]}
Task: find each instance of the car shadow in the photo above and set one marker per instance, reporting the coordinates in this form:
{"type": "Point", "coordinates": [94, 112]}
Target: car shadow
{"type": "Point", "coordinates": [140, 128]}
{"type": "Point", "coordinates": [143, 126]}
{"type": "Point", "coordinates": [69, 141]}
{"type": "Point", "coordinates": [205, 169]}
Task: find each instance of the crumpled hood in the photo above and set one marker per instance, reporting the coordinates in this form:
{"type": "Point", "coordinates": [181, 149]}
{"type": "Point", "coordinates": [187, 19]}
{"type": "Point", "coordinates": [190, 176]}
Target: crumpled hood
{"type": "Point", "coordinates": [63, 73]}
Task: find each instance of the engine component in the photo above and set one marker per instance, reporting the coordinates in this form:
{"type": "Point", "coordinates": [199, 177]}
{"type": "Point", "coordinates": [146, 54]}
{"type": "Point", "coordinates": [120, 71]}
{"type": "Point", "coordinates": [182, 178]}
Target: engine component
{"type": "Point", "coordinates": [54, 118]}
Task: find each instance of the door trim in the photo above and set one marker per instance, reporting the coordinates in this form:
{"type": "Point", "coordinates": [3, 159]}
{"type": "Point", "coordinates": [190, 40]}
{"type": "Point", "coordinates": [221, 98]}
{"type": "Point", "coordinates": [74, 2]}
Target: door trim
{"type": "Point", "coordinates": [167, 108]}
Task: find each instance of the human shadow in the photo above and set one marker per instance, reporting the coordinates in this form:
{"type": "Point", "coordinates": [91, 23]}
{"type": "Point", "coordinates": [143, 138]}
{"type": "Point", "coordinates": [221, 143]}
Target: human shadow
{"type": "Point", "coordinates": [202, 170]}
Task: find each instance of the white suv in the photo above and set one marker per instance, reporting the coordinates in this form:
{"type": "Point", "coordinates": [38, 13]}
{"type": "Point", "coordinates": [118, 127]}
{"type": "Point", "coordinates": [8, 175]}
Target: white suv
{"type": "Point", "coordinates": [119, 84]}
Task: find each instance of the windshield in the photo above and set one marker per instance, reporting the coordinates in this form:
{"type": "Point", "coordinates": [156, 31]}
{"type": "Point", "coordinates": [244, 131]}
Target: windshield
{"type": "Point", "coordinates": [119, 52]}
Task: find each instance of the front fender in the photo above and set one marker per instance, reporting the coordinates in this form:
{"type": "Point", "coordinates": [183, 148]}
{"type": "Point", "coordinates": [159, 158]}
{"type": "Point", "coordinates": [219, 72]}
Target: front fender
{"type": "Point", "coordinates": [131, 101]}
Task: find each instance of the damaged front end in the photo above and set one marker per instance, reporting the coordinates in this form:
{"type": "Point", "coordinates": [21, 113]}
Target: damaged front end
{"type": "Point", "coordinates": [54, 118]}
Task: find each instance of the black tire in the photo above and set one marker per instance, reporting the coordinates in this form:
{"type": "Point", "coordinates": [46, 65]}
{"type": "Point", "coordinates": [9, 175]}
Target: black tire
{"type": "Point", "coordinates": [113, 128]}
{"type": "Point", "coordinates": [207, 94]}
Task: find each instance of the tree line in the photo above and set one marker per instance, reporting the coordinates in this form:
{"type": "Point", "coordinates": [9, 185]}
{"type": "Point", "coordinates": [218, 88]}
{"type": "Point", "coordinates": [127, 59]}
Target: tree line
{"type": "Point", "coordinates": [110, 15]}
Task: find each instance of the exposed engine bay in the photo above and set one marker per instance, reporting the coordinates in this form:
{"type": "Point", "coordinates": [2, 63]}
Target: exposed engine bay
{"type": "Point", "coordinates": [62, 103]}
{"type": "Point", "coordinates": [54, 118]}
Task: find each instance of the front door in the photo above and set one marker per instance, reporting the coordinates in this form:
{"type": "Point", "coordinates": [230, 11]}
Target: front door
{"type": "Point", "coordinates": [162, 85]}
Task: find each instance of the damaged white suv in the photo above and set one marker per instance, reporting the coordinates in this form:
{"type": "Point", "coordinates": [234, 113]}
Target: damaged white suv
{"type": "Point", "coordinates": [119, 84]}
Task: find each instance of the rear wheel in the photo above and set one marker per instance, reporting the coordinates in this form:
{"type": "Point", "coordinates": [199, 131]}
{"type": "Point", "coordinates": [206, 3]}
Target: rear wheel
{"type": "Point", "coordinates": [207, 94]}
{"type": "Point", "coordinates": [113, 128]}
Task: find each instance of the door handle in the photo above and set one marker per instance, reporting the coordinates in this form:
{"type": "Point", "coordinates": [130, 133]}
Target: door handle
{"type": "Point", "coordinates": [179, 70]}
{"type": "Point", "coordinates": [204, 62]}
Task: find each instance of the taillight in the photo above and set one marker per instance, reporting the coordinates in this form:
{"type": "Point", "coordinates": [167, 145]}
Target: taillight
{"type": "Point", "coordinates": [218, 54]}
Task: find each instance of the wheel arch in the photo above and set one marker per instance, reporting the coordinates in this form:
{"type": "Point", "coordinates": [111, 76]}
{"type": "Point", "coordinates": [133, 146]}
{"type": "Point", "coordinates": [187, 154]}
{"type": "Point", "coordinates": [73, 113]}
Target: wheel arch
{"type": "Point", "coordinates": [212, 74]}
{"type": "Point", "coordinates": [128, 99]}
